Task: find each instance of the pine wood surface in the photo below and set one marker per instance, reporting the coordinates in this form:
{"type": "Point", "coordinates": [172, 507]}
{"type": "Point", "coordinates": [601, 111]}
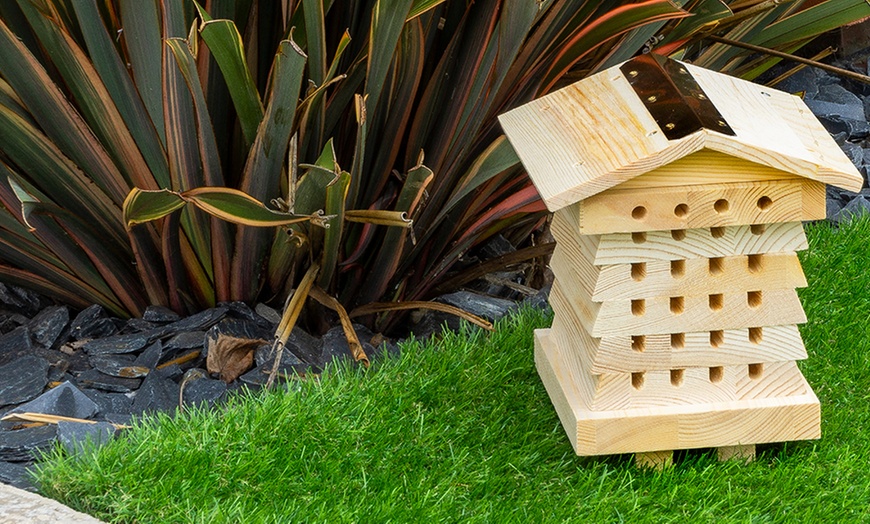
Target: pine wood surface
{"type": "Point", "coordinates": [637, 353]}
{"type": "Point", "coordinates": [683, 314]}
{"type": "Point", "coordinates": [771, 418]}
{"type": "Point", "coordinates": [685, 207]}
{"type": "Point", "coordinates": [622, 248]}
{"type": "Point", "coordinates": [694, 276]}
{"type": "Point", "coordinates": [596, 134]}
{"type": "Point", "coordinates": [706, 167]}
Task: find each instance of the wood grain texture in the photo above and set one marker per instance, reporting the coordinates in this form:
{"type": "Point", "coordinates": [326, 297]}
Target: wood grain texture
{"type": "Point", "coordinates": [685, 207]}
{"type": "Point", "coordinates": [706, 167]}
{"type": "Point", "coordinates": [627, 248]}
{"type": "Point", "coordinates": [596, 134]}
{"type": "Point", "coordinates": [684, 314]}
{"type": "Point", "coordinates": [638, 353]}
{"type": "Point", "coordinates": [761, 419]}
{"type": "Point", "coordinates": [694, 276]}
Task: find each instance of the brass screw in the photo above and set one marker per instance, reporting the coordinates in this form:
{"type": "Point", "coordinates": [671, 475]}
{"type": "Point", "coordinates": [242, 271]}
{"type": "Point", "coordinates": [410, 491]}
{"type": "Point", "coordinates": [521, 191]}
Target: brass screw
{"type": "Point", "coordinates": [701, 96]}
{"type": "Point", "coordinates": [632, 73]}
{"type": "Point", "coordinates": [683, 70]}
{"type": "Point", "coordinates": [722, 123]}
{"type": "Point", "coordinates": [670, 125]}
{"type": "Point", "coordinates": [652, 99]}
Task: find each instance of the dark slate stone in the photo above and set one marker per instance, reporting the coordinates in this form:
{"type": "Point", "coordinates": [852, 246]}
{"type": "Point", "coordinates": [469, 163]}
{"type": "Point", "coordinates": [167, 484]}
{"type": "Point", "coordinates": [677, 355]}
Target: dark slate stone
{"type": "Point", "coordinates": [157, 393]}
{"type": "Point", "coordinates": [838, 94]}
{"type": "Point", "coordinates": [858, 129]}
{"type": "Point", "coordinates": [97, 380]}
{"type": "Point", "coordinates": [77, 437]}
{"type": "Point", "coordinates": [856, 207]}
{"type": "Point", "coordinates": [197, 322]}
{"type": "Point", "coordinates": [264, 354]}
{"type": "Point", "coordinates": [304, 346]}
{"type": "Point", "coordinates": [82, 323]}
{"type": "Point", "coordinates": [541, 299]}
{"type": "Point", "coordinates": [65, 400]}
{"type": "Point", "coordinates": [14, 344]}
{"type": "Point", "coordinates": [260, 374]}
{"type": "Point", "coordinates": [824, 109]}
{"type": "Point", "coordinates": [118, 366]}
{"type": "Point", "coordinates": [48, 324]}
{"type": "Point", "coordinates": [16, 475]}
{"type": "Point", "coordinates": [335, 347]}
{"type": "Point", "coordinates": [138, 325]}
{"type": "Point", "coordinates": [204, 391]}
{"type": "Point", "coordinates": [10, 321]}
{"type": "Point", "coordinates": [118, 344]}
{"type": "Point", "coordinates": [268, 313]}
{"type": "Point", "coordinates": [186, 340]}
{"type": "Point", "coordinates": [490, 308]}
{"type": "Point", "coordinates": [108, 403]}
{"type": "Point", "coordinates": [832, 206]}
{"type": "Point", "coordinates": [22, 379]}
{"type": "Point", "coordinates": [22, 445]}
{"type": "Point", "coordinates": [78, 362]}
{"type": "Point", "coordinates": [242, 311]}
{"type": "Point", "coordinates": [160, 314]}
{"type": "Point", "coordinates": [854, 152]}
{"type": "Point", "coordinates": [22, 300]}
{"type": "Point", "coordinates": [173, 371]}
{"type": "Point", "coordinates": [150, 356]}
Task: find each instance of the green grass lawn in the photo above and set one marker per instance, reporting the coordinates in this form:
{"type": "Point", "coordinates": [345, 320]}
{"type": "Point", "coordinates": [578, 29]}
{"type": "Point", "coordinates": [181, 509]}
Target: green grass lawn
{"type": "Point", "coordinates": [463, 430]}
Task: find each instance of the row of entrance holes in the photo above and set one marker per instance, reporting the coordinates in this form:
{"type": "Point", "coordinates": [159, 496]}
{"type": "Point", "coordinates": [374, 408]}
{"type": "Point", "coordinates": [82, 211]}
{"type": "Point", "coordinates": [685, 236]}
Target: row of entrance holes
{"type": "Point", "coordinates": [716, 373]}
{"type": "Point", "coordinates": [678, 340]}
{"type": "Point", "coordinates": [678, 304]}
{"type": "Point", "coordinates": [715, 266]}
{"type": "Point", "coordinates": [721, 207]}
{"type": "Point", "coordinates": [639, 237]}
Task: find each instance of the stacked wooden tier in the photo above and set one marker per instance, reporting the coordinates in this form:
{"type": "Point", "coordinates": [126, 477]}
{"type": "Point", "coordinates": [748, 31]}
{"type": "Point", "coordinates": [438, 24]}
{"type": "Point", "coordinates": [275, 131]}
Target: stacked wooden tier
{"type": "Point", "coordinates": [676, 318]}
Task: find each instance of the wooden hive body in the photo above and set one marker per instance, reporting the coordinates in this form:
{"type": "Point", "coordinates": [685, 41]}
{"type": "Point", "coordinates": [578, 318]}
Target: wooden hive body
{"type": "Point", "coordinates": [675, 307]}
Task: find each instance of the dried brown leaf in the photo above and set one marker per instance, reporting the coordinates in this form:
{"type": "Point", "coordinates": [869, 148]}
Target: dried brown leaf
{"type": "Point", "coordinates": [231, 356]}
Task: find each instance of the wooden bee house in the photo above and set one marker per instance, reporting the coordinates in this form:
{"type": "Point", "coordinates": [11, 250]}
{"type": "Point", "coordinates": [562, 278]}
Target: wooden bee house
{"type": "Point", "coordinates": [678, 195]}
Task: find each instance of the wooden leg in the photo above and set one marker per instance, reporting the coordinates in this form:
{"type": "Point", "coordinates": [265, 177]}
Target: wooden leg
{"type": "Point", "coordinates": [744, 453]}
{"type": "Point", "coordinates": [654, 459]}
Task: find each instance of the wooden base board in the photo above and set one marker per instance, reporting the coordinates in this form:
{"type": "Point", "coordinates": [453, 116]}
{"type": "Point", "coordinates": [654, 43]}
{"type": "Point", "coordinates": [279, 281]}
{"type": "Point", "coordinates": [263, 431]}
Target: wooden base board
{"type": "Point", "coordinates": [663, 428]}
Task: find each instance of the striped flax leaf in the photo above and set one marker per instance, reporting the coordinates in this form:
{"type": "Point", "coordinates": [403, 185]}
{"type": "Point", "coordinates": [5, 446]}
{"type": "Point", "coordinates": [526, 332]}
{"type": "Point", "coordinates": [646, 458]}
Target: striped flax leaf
{"type": "Point", "coordinates": [336, 198]}
{"type": "Point", "coordinates": [111, 69]}
{"type": "Point", "coordinates": [262, 173]}
{"type": "Point", "coordinates": [225, 45]}
{"type": "Point", "coordinates": [142, 34]}
{"type": "Point", "coordinates": [35, 154]}
{"type": "Point", "coordinates": [93, 101]}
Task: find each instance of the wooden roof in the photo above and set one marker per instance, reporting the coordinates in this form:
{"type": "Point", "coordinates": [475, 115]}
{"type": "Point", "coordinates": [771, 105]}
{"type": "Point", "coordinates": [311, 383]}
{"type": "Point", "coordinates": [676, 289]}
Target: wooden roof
{"type": "Point", "coordinates": [596, 134]}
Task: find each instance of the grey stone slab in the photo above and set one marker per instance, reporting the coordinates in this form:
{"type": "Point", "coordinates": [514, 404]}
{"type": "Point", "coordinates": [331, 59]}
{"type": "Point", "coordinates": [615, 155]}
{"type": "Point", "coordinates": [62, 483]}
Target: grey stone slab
{"type": "Point", "coordinates": [118, 344]}
{"type": "Point", "coordinates": [186, 340]}
{"type": "Point", "coordinates": [270, 314]}
{"type": "Point", "coordinates": [77, 437]}
{"type": "Point", "coordinates": [150, 356]}
{"type": "Point", "coordinates": [14, 344]}
{"type": "Point", "coordinates": [242, 311]}
{"type": "Point", "coordinates": [110, 402]}
{"type": "Point", "coordinates": [22, 445]}
{"type": "Point", "coordinates": [22, 379]}
{"type": "Point", "coordinates": [266, 354]}
{"type": "Point", "coordinates": [15, 475]}
{"type": "Point", "coordinates": [123, 366]}
{"type": "Point", "coordinates": [157, 393]}
{"type": "Point", "coordinates": [856, 207]}
{"type": "Point", "coordinates": [825, 109]}
{"type": "Point", "coordinates": [204, 392]}
{"type": "Point", "coordinates": [160, 314]}
{"type": "Point", "coordinates": [97, 380]}
{"type": "Point", "coordinates": [48, 324]}
{"type": "Point", "coordinates": [65, 400]}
